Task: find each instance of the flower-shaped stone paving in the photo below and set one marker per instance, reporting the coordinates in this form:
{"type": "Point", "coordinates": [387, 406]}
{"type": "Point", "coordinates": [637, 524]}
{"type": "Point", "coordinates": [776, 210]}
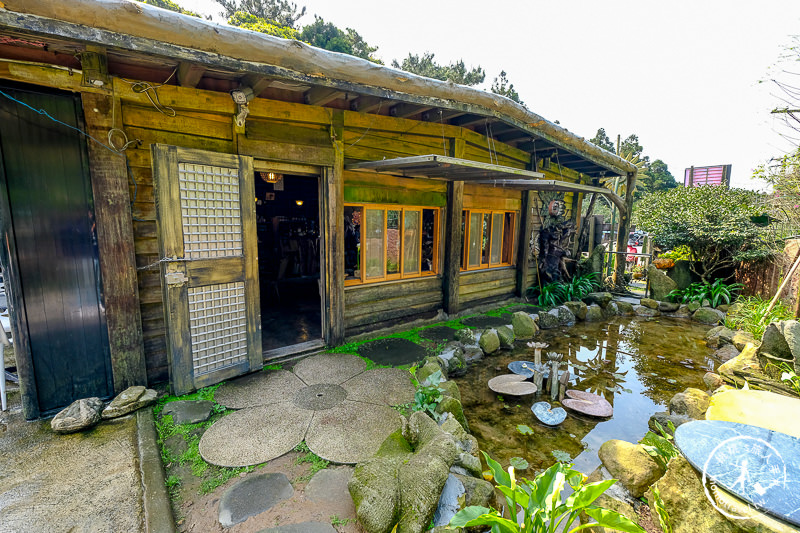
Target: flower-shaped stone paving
{"type": "Point", "coordinates": [331, 401]}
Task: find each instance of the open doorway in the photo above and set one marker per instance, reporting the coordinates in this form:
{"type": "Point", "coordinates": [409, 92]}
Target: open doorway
{"type": "Point", "coordinates": [287, 214]}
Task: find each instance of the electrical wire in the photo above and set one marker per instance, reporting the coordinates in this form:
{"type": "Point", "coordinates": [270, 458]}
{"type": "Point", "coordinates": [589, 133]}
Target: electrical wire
{"type": "Point", "coordinates": [151, 92]}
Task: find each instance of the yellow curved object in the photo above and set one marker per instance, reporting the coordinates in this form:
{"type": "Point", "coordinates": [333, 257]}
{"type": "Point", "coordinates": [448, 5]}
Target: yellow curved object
{"type": "Point", "coordinates": [764, 409]}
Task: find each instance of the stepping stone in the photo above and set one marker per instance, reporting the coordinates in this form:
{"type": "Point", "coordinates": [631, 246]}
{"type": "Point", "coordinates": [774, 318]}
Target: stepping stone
{"type": "Point", "coordinates": [382, 386]}
{"type": "Point", "coordinates": [188, 411]}
{"type": "Point", "coordinates": [483, 322]}
{"type": "Point", "coordinates": [253, 495]}
{"type": "Point", "coordinates": [526, 368]}
{"type": "Point", "coordinates": [544, 412]}
{"type": "Point", "coordinates": [258, 388]}
{"type": "Point", "coordinates": [511, 385]}
{"type": "Point", "coordinates": [438, 333]}
{"type": "Point", "coordinates": [128, 401]}
{"type": "Point", "coordinates": [329, 485]}
{"type": "Point", "coordinates": [304, 527]}
{"type": "Point", "coordinates": [79, 415]}
{"type": "Point", "coordinates": [588, 404]}
{"type": "Point", "coordinates": [392, 351]}
{"type": "Point", "coordinates": [329, 368]}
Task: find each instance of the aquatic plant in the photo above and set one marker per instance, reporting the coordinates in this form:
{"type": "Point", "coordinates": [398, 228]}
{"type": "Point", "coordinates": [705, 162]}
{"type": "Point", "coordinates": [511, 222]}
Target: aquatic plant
{"type": "Point", "coordinates": [540, 503]}
{"type": "Point", "coordinates": [661, 511]}
{"type": "Point", "coordinates": [750, 314]}
{"type": "Point", "coordinates": [660, 447]}
{"type": "Point", "coordinates": [428, 394]}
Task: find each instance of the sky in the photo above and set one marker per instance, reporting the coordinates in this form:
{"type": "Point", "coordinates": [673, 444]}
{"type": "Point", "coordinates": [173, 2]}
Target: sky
{"type": "Point", "coordinates": [690, 78]}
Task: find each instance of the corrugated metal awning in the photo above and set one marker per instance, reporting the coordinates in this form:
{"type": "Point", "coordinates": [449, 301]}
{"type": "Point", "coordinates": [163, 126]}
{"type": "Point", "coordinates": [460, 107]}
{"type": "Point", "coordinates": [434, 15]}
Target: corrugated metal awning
{"type": "Point", "coordinates": [555, 185]}
{"type": "Point", "coordinates": [444, 168]}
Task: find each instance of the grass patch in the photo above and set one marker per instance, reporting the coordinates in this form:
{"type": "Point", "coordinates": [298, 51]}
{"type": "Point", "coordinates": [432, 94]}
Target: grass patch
{"type": "Point", "coordinates": [750, 315]}
{"type": "Point", "coordinates": [273, 367]}
{"type": "Point", "coordinates": [317, 462]}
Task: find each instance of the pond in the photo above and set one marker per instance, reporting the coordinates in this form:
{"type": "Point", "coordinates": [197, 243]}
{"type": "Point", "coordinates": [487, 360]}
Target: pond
{"type": "Point", "coordinates": [636, 364]}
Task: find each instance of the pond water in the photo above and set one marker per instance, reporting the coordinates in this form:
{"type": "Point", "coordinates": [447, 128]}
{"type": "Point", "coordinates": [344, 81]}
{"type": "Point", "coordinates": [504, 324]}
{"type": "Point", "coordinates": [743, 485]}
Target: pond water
{"type": "Point", "coordinates": [636, 364]}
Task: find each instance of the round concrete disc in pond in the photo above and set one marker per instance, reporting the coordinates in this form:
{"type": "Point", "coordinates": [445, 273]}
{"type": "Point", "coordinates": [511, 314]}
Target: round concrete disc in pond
{"type": "Point", "coordinates": [351, 432]}
{"type": "Point", "coordinates": [588, 404]}
{"type": "Point", "coordinates": [329, 368]}
{"type": "Point", "coordinates": [511, 385]}
{"type": "Point", "coordinates": [259, 388]}
{"type": "Point", "coordinates": [483, 321]}
{"type": "Point", "coordinates": [392, 351]}
{"type": "Point", "coordinates": [382, 386]}
{"type": "Point", "coordinates": [544, 412]}
{"type": "Point", "coordinates": [438, 333]}
{"type": "Point", "coordinates": [526, 368]}
{"type": "Point", "coordinates": [255, 435]}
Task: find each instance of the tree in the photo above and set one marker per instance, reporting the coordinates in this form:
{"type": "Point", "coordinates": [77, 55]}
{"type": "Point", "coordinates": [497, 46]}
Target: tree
{"type": "Point", "coordinates": [456, 72]}
{"type": "Point", "coordinates": [279, 12]}
{"type": "Point", "coordinates": [631, 146]}
{"type": "Point", "coordinates": [502, 87]}
{"type": "Point", "coordinates": [783, 174]}
{"type": "Point", "coordinates": [251, 22]}
{"type": "Point", "coordinates": [170, 5]}
{"type": "Point", "coordinates": [326, 35]}
{"type": "Point", "coordinates": [662, 177]}
{"type": "Point", "coordinates": [601, 139]}
{"type": "Point", "coordinates": [714, 222]}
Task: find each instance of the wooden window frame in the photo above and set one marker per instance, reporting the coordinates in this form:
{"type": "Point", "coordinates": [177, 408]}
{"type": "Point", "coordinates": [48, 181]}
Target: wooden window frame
{"type": "Point", "coordinates": [466, 267]}
{"type": "Point", "coordinates": [401, 275]}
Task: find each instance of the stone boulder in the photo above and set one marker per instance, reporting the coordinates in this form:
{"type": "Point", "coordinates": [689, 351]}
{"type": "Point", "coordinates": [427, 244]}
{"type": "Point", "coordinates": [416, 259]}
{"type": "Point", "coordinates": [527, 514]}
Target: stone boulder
{"type": "Point", "coordinates": [660, 284]}
{"type": "Point", "coordinates": [726, 353]}
{"type": "Point", "coordinates": [631, 464]}
{"type": "Point", "coordinates": [649, 303]}
{"type": "Point", "coordinates": [625, 308]}
{"type": "Point", "coordinates": [506, 337]}
{"type": "Point", "coordinates": [664, 418]}
{"type": "Point", "coordinates": [713, 381]}
{"type": "Point", "coordinates": [466, 336]}
{"type": "Point", "coordinates": [594, 313]}
{"type": "Point", "coordinates": [682, 312]}
{"type": "Point", "coordinates": [578, 309]}
{"type": "Point", "coordinates": [682, 274]}
{"type": "Point", "coordinates": [188, 411]}
{"type": "Point", "coordinates": [129, 400]}
{"type": "Point", "coordinates": [489, 342]}
{"type": "Point", "coordinates": [719, 336]}
{"type": "Point", "coordinates": [477, 491]}
{"type": "Point", "coordinates": [685, 501]}
{"type": "Point", "coordinates": [612, 309]}
{"type": "Point", "coordinates": [741, 339]}
{"type": "Point", "coordinates": [693, 306]}
{"type": "Point", "coordinates": [453, 357]}
{"type": "Point", "coordinates": [565, 316]}
{"type": "Point", "coordinates": [472, 354]}
{"type": "Point", "coordinates": [548, 320]}
{"type": "Point", "coordinates": [708, 316]}
{"type": "Point", "coordinates": [641, 310]}
{"type": "Point", "coordinates": [691, 402]}
{"type": "Point", "coordinates": [524, 326]}
{"type": "Point", "coordinates": [448, 404]}
{"type": "Point", "coordinates": [600, 298]}
{"type": "Point", "coordinates": [429, 368]}
{"type": "Point", "coordinates": [79, 415]}
{"type": "Point", "coordinates": [776, 339]}
{"type": "Point", "coordinates": [668, 307]}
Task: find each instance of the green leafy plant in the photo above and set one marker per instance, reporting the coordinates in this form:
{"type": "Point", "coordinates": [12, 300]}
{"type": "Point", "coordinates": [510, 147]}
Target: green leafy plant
{"type": "Point", "coordinates": [336, 521]}
{"type": "Point", "coordinates": [679, 253]}
{"type": "Point", "coordinates": [750, 314]}
{"type": "Point", "coordinates": [317, 463]}
{"type": "Point", "coordinates": [549, 295]}
{"type": "Point", "coordinates": [540, 503]}
{"type": "Point", "coordinates": [428, 393]}
{"type": "Point", "coordinates": [558, 292]}
{"type": "Point", "coordinates": [661, 511]}
{"type": "Point", "coordinates": [660, 447]}
{"type": "Point", "coordinates": [717, 293]}
{"type": "Point", "coordinates": [788, 375]}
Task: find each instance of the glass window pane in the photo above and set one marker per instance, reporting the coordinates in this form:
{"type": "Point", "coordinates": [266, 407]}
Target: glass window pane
{"type": "Point", "coordinates": [430, 241]}
{"type": "Point", "coordinates": [352, 242]}
{"type": "Point", "coordinates": [475, 235]}
{"type": "Point", "coordinates": [392, 241]}
{"type": "Point", "coordinates": [485, 242]}
{"type": "Point", "coordinates": [508, 238]}
{"type": "Point", "coordinates": [463, 239]}
{"type": "Point", "coordinates": [411, 241]}
{"type": "Point", "coordinates": [497, 238]}
{"type": "Point", "coordinates": [374, 229]}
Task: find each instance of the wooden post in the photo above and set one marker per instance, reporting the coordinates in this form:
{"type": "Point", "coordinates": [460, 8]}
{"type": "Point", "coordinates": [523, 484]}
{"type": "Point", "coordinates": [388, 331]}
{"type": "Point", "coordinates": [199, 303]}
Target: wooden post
{"type": "Point", "coordinates": [333, 238]}
{"type": "Point", "coordinates": [112, 208]}
{"type": "Point", "coordinates": [523, 246]}
{"type": "Point", "coordinates": [622, 232]}
{"type": "Point", "coordinates": [592, 228]}
{"type": "Point", "coordinates": [452, 246]}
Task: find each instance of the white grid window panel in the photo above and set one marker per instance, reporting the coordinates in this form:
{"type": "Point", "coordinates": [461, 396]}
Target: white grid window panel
{"type": "Point", "coordinates": [218, 326]}
{"type": "Point", "coordinates": [210, 210]}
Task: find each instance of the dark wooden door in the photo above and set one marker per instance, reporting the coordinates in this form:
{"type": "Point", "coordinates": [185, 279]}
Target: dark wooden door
{"type": "Point", "coordinates": [52, 247]}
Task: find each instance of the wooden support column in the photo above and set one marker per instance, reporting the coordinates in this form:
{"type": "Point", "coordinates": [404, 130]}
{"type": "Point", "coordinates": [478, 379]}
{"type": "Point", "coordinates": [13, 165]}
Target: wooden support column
{"type": "Point", "coordinates": [624, 229]}
{"type": "Point", "coordinates": [332, 203]}
{"type": "Point", "coordinates": [524, 246]}
{"type": "Point", "coordinates": [452, 246]}
{"type": "Point", "coordinates": [112, 209]}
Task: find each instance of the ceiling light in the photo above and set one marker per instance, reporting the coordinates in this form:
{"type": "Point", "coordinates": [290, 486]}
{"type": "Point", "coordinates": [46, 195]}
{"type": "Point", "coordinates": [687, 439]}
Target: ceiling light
{"type": "Point", "coordinates": [299, 203]}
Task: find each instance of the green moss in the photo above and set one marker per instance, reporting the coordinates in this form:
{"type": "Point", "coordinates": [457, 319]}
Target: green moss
{"type": "Point", "coordinates": [273, 367]}
{"type": "Point", "coordinates": [317, 462]}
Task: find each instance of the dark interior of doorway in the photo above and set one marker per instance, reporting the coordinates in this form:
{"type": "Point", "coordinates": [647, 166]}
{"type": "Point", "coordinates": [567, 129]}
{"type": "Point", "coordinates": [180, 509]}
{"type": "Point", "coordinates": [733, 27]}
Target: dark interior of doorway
{"type": "Point", "coordinates": [287, 213]}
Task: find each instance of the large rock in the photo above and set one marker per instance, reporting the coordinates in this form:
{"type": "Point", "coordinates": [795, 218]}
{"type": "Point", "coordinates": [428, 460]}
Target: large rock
{"type": "Point", "coordinates": [719, 336]}
{"type": "Point", "coordinates": [708, 316]}
{"type": "Point", "coordinates": [428, 369]}
{"type": "Point", "coordinates": [775, 342]}
{"type": "Point", "coordinates": [466, 442]}
{"type": "Point", "coordinates": [726, 353]}
{"type": "Point", "coordinates": [130, 400]}
{"type": "Point", "coordinates": [448, 404]}
{"type": "Point", "coordinates": [682, 312]}
{"type": "Point", "coordinates": [477, 491]}
{"type": "Point", "coordinates": [693, 306]}
{"type": "Point", "coordinates": [188, 411]}
{"type": "Point", "coordinates": [668, 307]}
{"type": "Point", "coordinates": [682, 274]}
{"type": "Point", "coordinates": [649, 302]}
{"type": "Point", "coordinates": [466, 336]}
{"type": "Point", "coordinates": [660, 284]}
{"type": "Point", "coordinates": [524, 326]}
{"type": "Point", "coordinates": [685, 501]}
{"type": "Point", "coordinates": [565, 316]}
{"type": "Point", "coordinates": [713, 381]}
{"type": "Point", "coordinates": [691, 402]}
{"type": "Point", "coordinates": [600, 298]}
{"type": "Point", "coordinates": [79, 415]}
{"type": "Point", "coordinates": [506, 337]}
{"type": "Point", "coordinates": [489, 342]}
{"type": "Point", "coordinates": [631, 464]}
{"type": "Point", "coordinates": [663, 418]}
{"type": "Point", "coordinates": [253, 495]}
{"type": "Point", "coordinates": [641, 310]}
{"type": "Point", "coordinates": [472, 354]}
{"type": "Point", "coordinates": [578, 309]}
{"type": "Point", "coordinates": [548, 320]}
{"type": "Point", "coordinates": [597, 259]}
{"type": "Point", "coordinates": [741, 339]}
{"type": "Point", "coordinates": [594, 313]}
{"type": "Point", "coordinates": [612, 309]}
{"type": "Point", "coordinates": [453, 357]}
{"type": "Point", "coordinates": [625, 308]}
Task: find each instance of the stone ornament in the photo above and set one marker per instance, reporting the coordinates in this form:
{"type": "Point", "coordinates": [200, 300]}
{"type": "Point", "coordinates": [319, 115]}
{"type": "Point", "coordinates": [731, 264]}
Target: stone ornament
{"type": "Point", "coordinates": [547, 414]}
{"type": "Point", "coordinates": [512, 385]}
{"type": "Point", "coordinates": [588, 404]}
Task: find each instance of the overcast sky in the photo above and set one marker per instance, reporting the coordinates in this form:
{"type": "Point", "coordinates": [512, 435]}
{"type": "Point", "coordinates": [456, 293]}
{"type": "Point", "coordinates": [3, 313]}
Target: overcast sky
{"type": "Point", "coordinates": [683, 76]}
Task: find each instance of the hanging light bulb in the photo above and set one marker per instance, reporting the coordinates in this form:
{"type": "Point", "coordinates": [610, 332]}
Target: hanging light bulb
{"type": "Point", "coordinates": [271, 177]}
{"type": "Point", "coordinates": [299, 203]}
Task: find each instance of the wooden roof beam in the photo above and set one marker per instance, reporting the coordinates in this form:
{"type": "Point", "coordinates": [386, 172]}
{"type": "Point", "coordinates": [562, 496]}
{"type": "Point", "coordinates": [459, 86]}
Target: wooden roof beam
{"type": "Point", "coordinates": [471, 120]}
{"type": "Point", "coordinates": [438, 114]}
{"type": "Point", "coordinates": [190, 74]}
{"type": "Point", "coordinates": [257, 83]}
{"type": "Point", "coordinates": [322, 95]}
{"type": "Point", "coordinates": [404, 110]}
{"type": "Point", "coordinates": [367, 104]}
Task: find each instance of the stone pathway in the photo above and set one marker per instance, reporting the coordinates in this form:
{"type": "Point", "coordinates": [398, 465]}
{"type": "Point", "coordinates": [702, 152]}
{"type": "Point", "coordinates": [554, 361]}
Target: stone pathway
{"type": "Point", "coordinates": [331, 401]}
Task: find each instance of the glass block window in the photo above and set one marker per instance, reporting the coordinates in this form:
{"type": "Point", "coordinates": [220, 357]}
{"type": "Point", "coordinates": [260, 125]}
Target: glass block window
{"type": "Point", "coordinates": [210, 210]}
{"type": "Point", "coordinates": [218, 326]}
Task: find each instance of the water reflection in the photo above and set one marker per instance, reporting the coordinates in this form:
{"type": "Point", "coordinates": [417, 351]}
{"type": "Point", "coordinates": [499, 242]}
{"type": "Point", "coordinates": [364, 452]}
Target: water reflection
{"type": "Point", "coordinates": [636, 364]}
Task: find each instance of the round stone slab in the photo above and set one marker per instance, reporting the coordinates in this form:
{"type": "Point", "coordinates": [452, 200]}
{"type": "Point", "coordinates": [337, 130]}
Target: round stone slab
{"type": "Point", "coordinates": [588, 404]}
{"type": "Point", "coordinates": [512, 385]}
{"type": "Point", "coordinates": [526, 368]}
{"type": "Point", "coordinates": [382, 386]}
{"type": "Point", "coordinates": [329, 368]}
{"type": "Point", "coordinates": [319, 397]}
{"type": "Point", "coordinates": [259, 388]}
{"type": "Point", "coordinates": [255, 435]}
{"type": "Point", "coordinates": [351, 432]}
{"type": "Point", "coordinates": [547, 415]}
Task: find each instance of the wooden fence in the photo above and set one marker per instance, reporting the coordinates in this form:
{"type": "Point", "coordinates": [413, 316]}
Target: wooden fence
{"type": "Point", "coordinates": [763, 278]}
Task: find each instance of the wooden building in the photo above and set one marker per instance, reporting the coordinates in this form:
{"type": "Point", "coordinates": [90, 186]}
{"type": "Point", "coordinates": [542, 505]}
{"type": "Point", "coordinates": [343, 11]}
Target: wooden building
{"type": "Point", "coordinates": [182, 200]}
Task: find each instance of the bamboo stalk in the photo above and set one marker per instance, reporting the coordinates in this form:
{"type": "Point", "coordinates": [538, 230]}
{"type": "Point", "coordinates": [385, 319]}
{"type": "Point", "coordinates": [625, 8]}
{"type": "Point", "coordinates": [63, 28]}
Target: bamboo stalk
{"type": "Point", "coordinates": [786, 280]}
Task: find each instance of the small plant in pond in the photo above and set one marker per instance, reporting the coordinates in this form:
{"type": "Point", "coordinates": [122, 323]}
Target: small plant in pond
{"type": "Point", "coordinates": [561, 456]}
{"type": "Point", "coordinates": [524, 430]}
{"type": "Point", "coordinates": [660, 447]}
{"type": "Point", "coordinates": [750, 314]}
{"type": "Point", "coordinates": [538, 506]}
{"type": "Point", "coordinates": [661, 511]}
{"type": "Point", "coordinates": [428, 394]}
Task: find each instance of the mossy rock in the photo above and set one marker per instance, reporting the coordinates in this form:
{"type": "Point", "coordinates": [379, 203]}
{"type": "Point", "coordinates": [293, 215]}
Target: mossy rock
{"type": "Point", "coordinates": [428, 369]}
{"type": "Point", "coordinates": [489, 342]}
{"type": "Point", "coordinates": [449, 404]}
{"type": "Point", "coordinates": [524, 326]}
{"type": "Point", "coordinates": [506, 337]}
